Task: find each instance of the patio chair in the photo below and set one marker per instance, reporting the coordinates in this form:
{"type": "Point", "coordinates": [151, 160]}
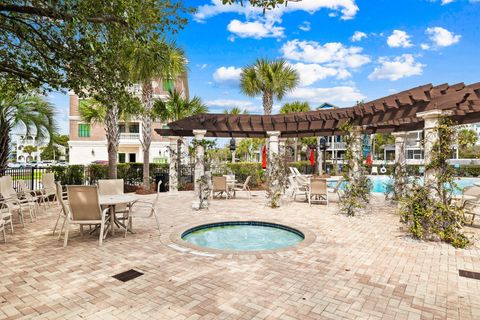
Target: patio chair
{"type": "Point", "coordinates": [243, 187]}
{"type": "Point", "coordinates": [5, 215]}
{"type": "Point", "coordinates": [12, 200]}
{"type": "Point", "coordinates": [29, 194]}
{"type": "Point", "coordinates": [149, 205]}
{"type": "Point", "coordinates": [297, 188]}
{"type": "Point", "coordinates": [113, 187]}
{"type": "Point", "coordinates": [2, 227]}
{"type": "Point", "coordinates": [374, 170]}
{"type": "Point", "coordinates": [337, 189]}
{"type": "Point", "coordinates": [472, 206]}
{"type": "Point", "coordinates": [49, 190]}
{"type": "Point", "coordinates": [62, 213]}
{"type": "Point", "coordinates": [317, 191]}
{"type": "Point", "coordinates": [219, 186]}
{"type": "Point", "coordinates": [84, 209]}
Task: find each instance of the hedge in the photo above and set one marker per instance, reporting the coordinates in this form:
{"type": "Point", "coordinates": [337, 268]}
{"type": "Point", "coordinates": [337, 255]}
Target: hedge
{"type": "Point", "coordinates": [241, 170]}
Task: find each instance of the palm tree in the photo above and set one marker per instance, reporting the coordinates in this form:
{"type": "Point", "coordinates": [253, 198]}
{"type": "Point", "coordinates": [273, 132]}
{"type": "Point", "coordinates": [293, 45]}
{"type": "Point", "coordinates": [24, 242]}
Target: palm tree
{"type": "Point", "coordinates": [30, 111]}
{"type": "Point", "coordinates": [161, 60]}
{"type": "Point", "coordinates": [293, 107]}
{"type": "Point", "coordinates": [272, 79]}
{"type": "Point", "coordinates": [235, 111]}
{"type": "Point", "coordinates": [93, 111]}
{"type": "Point", "coordinates": [177, 107]}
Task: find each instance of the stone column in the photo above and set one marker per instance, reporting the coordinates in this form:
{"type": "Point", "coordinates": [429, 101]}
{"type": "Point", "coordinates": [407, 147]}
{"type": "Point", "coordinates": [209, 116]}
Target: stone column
{"type": "Point", "coordinates": [400, 160]}
{"type": "Point", "coordinates": [199, 169]}
{"type": "Point", "coordinates": [430, 118]}
{"type": "Point", "coordinates": [173, 174]}
{"type": "Point", "coordinates": [356, 136]}
{"type": "Point", "coordinates": [273, 142]}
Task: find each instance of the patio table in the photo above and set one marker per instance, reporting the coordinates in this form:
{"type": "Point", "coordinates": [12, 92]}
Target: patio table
{"type": "Point", "coordinates": [111, 201]}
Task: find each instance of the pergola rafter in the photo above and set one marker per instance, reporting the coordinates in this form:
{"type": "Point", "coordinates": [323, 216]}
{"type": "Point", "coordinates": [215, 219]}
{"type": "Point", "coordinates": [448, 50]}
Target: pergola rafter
{"type": "Point", "coordinates": [396, 112]}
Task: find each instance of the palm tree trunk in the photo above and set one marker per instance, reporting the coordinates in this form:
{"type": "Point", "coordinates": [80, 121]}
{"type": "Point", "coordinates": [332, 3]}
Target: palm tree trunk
{"type": "Point", "coordinates": [267, 102]}
{"type": "Point", "coordinates": [147, 101]}
{"type": "Point", "coordinates": [4, 143]}
{"type": "Point", "coordinates": [113, 136]}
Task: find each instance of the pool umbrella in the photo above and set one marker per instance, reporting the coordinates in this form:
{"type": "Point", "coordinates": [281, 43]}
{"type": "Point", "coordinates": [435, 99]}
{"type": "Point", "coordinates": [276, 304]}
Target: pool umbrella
{"type": "Point", "coordinates": [312, 157]}
{"type": "Point", "coordinates": [264, 157]}
{"type": "Point", "coordinates": [369, 161]}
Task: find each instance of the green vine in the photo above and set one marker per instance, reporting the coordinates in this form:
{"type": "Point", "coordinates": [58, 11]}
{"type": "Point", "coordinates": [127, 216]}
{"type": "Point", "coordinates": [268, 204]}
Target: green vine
{"type": "Point", "coordinates": [427, 209]}
{"type": "Point", "coordinates": [357, 187]}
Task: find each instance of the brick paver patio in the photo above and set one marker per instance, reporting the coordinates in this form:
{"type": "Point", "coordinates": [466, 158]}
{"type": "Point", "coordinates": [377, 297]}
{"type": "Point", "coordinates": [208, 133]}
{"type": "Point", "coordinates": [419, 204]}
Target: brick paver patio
{"type": "Point", "coordinates": [356, 268]}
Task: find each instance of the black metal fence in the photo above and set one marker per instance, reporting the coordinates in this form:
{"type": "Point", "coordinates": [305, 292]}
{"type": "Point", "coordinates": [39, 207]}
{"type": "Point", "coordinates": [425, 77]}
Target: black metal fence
{"type": "Point", "coordinates": [32, 175]}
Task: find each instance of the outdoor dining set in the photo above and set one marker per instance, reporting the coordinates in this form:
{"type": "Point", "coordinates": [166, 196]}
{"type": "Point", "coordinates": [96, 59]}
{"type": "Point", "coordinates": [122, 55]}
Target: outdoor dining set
{"type": "Point", "coordinates": [102, 207]}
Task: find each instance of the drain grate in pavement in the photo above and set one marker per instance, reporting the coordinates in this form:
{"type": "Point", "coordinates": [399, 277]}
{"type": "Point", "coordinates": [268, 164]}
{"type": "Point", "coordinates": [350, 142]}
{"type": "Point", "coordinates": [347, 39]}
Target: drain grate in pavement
{"type": "Point", "coordinates": [128, 275]}
{"type": "Point", "coordinates": [469, 274]}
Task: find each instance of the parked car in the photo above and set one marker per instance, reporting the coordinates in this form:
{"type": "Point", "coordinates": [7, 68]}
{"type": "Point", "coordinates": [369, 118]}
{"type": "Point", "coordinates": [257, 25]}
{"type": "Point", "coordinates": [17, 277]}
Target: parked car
{"type": "Point", "coordinates": [14, 165]}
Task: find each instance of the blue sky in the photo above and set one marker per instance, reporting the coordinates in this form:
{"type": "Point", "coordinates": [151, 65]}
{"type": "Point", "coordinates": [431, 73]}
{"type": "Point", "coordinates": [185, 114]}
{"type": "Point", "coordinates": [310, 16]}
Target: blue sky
{"type": "Point", "coordinates": [344, 50]}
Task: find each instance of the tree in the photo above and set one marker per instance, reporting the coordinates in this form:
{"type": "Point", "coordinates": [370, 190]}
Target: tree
{"type": "Point", "coordinates": [177, 107]}
{"type": "Point", "coordinates": [235, 111]}
{"type": "Point", "coordinates": [26, 110]}
{"type": "Point", "coordinates": [293, 107]}
{"type": "Point", "coordinates": [265, 4]}
{"type": "Point", "coordinates": [29, 149]}
{"type": "Point", "coordinates": [467, 137]}
{"type": "Point", "coordinates": [61, 41]}
{"type": "Point", "coordinates": [246, 147]}
{"type": "Point", "coordinates": [158, 60]}
{"type": "Point", "coordinates": [94, 111]}
{"type": "Point", "coordinates": [272, 79]}
{"type": "Point", "coordinates": [52, 151]}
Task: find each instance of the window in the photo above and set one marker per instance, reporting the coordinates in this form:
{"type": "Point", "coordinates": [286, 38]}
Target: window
{"type": "Point", "coordinates": [134, 128]}
{"type": "Point", "coordinates": [121, 128]}
{"type": "Point", "coordinates": [84, 130]}
{"type": "Point", "coordinates": [415, 154]}
{"type": "Point", "coordinates": [132, 157]}
{"type": "Point", "coordinates": [168, 85]}
{"type": "Point", "coordinates": [121, 157]}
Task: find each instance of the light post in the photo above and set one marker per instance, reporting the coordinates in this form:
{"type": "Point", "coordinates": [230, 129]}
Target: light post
{"type": "Point", "coordinates": [233, 147]}
{"type": "Point", "coordinates": [323, 146]}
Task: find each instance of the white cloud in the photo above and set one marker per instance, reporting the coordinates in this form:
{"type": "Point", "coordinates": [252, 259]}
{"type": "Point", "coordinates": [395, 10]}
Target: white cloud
{"type": "Point", "coordinates": [397, 68]}
{"type": "Point", "coordinates": [255, 29]}
{"type": "Point", "coordinates": [441, 37]}
{"type": "Point", "coordinates": [399, 39]}
{"type": "Point", "coordinates": [358, 36]}
{"type": "Point", "coordinates": [227, 75]}
{"type": "Point", "coordinates": [305, 26]}
{"type": "Point", "coordinates": [311, 73]}
{"type": "Point", "coordinates": [347, 8]}
{"type": "Point", "coordinates": [341, 95]}
{"type": "Point", "coordinates": [425, 46]}
{"type": "Point", "coordinates": [201, 66]}
{"type": "Point", "coordinates": [333, 54]}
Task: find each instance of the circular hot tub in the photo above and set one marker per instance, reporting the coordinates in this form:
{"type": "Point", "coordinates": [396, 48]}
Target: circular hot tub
{"type": "Point", "coordinates": [243, 236]}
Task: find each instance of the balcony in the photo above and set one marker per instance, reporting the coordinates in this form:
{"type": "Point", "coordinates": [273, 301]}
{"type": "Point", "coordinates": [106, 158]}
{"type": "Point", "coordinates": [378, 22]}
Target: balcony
{"type": "Point", "coordinates": [129, 137]}
{"type": "Point", "coordinates": [337, 146]}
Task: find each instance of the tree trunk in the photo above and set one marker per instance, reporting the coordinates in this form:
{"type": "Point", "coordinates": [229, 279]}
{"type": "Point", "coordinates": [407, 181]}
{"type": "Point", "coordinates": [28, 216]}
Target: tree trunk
{"type": "Point", "coordinates": [4, 144]}
{"type": "Point", "coordinates": [147, 101]}
{"type": "Point", "coordinates": [267, 102]}
{"type": "Point", "coordinates": [112, 131]}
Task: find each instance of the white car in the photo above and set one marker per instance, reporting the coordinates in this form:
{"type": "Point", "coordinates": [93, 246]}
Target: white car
{"type": "Point", "coordinates": [14, 165]}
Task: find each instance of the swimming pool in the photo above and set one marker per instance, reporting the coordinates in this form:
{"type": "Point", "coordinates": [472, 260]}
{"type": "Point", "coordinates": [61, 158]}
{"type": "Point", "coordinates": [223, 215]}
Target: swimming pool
{"type": "Point", "coordinates": [380, 182]}
{"type": "Point", "coordinates": [243, 236]}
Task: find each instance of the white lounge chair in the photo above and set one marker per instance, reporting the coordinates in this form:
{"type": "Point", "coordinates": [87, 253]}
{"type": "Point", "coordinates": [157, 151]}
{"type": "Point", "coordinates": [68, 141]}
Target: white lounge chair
{"type": "Point", "coordinates": [318, 191]}
{"type": "Point", "coordinates": [243, 187]}
{"type": "Point", "coordinates": [49, 190]}
{"type": "Point", "coordinates": [12, 200]}
{"type": "Point", "coordinates": [5, 215]}
{"type": "Point", "coordinates": [374, 170]}
{"type": "Point", "coordinates": [297, 188]}
{"type": "Point", "coordinates": [2, 227]}
{"type": "Point", "coordinates": [337, 188]}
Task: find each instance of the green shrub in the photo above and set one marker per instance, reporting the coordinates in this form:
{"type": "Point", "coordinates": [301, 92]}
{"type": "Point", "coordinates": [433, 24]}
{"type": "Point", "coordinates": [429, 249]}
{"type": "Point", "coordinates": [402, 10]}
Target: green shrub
{"type": "Point", "coordinates": [71, 175]}
{"type": "Point", "coordinates": [242, 170]}
{"type": "Point", "coordinates": [96, 172]}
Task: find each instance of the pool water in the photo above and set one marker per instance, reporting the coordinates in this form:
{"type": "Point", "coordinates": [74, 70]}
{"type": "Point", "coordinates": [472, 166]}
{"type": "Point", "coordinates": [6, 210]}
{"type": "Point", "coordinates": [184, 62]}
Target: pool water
{"type": "Point", "coordinates": [243, 236]}
{"type": "Point", "coordinates": [380, 182]}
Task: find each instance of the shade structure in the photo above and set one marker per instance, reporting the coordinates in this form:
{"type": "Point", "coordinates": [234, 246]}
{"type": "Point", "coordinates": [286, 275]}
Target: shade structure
{"type": "Point", "coordinates": [396, 112]}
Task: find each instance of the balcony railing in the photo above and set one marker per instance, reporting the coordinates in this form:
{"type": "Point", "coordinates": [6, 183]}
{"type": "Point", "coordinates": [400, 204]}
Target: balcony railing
{"type": "Point", "coordinates": [337, 146]}
{"type": "Point", "coordinates": [130, 136]}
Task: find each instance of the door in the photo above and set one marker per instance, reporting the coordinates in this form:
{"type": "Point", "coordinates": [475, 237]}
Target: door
{"type": "Point", "coordinates": [132, 157]}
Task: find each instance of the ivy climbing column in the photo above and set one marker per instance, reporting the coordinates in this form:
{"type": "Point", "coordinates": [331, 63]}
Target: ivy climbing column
{"type": "Point", "coordinates": [431, 119]}
{"type": "Point", "coordinates": [199, 166]}
{"type": "Point", "coordinates": [173, 174]}
{"type": "Point", "coordinates": [356, 136]}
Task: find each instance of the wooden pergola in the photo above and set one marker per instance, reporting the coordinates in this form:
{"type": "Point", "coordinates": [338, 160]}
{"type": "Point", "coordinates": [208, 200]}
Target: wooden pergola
{"type": "Point", "coordinates": [413, 109]}
{"type": "Point", "coordinates": [393, 113]}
